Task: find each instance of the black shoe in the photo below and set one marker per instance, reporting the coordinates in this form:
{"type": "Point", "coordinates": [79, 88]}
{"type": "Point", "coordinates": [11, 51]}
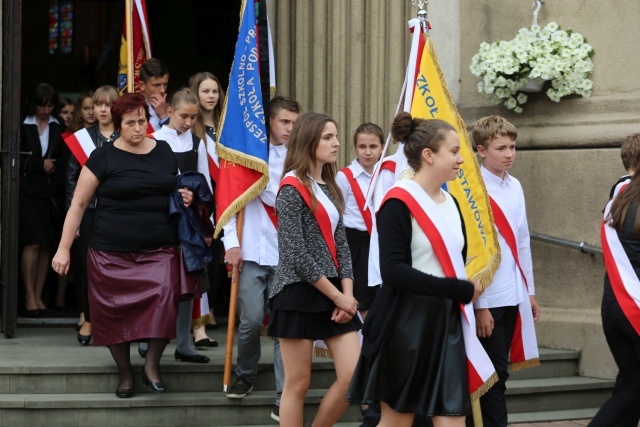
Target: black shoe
{"type": "Point", "coordinates": [239, 389]}
{"type": "Point", "coordinates": [124, 393]}
{"type": "Point", "coordinates": [275, 414]}
{"type": "Point", "coordinates": [155, 386]}
{"type": "Point", "coordinates": [84, 339]}
{"type": "Point", "coordinates": [32, 313]}
{"type": "Point", "coordinates": [196, 358]}
{"type": "Point", "coordinates": [78, 327]}
{"type": "Point", "coordinates": [205, 342]}
{"type": "Point", "coordinates": [142, 351]}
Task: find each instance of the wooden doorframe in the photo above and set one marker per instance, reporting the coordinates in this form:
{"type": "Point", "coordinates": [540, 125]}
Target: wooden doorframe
{"type": "Point", "coordinates": [10, 163]}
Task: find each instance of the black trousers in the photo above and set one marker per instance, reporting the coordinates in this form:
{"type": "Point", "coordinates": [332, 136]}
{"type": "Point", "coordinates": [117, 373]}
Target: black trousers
{"type": "Point", "coordinates": [497, 346]}
{"type": "Point", "coordinates": [80, 274]}
{"type": "Point", "coordinates": [623, 408]}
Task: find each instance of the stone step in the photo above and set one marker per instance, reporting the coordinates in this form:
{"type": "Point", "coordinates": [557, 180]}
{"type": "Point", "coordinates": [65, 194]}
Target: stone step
{"type": "Point", "coordinates": [555, 394]}
{"type": "Point", "coordinates": [179, 377]}
{"type": "Point", "coordinates": [88, 376]}
{"type": "Point", "coordinates": [548, 416]}
{"type": "Point", "coordinates": [148, 409]}
{"type": "Point", "coordinates": [554, 363]}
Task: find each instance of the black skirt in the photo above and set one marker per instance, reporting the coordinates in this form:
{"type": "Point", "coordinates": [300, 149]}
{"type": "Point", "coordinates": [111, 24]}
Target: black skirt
{"type": "Point", "coordinates": [36, 221]}
{"type": "Point", "coordinates": [302, 311]}
{"type": "Point", "coordinates": [421, 363]}
{"type": "Point", "coordinates": [358, 241]}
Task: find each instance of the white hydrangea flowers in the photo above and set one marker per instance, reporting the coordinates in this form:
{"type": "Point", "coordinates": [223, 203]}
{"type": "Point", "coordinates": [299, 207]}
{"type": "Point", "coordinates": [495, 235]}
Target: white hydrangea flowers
{"type": "Point", "coordinates": [561, 57]}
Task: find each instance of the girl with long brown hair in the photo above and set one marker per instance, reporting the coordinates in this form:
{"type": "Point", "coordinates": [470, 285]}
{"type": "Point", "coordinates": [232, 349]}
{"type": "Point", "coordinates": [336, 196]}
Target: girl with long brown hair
{"type": "Point", "coordinates": [312, 293]}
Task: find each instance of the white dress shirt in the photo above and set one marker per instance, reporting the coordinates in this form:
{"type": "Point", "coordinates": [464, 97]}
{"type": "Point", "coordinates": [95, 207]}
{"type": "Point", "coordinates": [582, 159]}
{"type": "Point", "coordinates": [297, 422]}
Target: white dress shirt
{"type": "Point", "coordinates": [44, 136]}
{"type": "Point", "coordinates": [508, 287]}
{"type": "Point", "coordinates": [154, 119]}
{"type": "Point", "coordinates": [352, 216]}
{"type": "Point", "coordinates": [259, 236]}
{"type": "Point", "coordinates": [184, 142]}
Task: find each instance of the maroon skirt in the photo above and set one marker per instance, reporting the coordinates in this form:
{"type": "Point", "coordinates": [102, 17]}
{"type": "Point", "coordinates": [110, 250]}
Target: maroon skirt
{"type": "Point", "coordinates": [135, 295]}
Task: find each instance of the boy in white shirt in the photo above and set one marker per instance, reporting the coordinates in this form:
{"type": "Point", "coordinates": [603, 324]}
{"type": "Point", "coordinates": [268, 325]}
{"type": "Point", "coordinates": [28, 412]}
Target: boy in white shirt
{"type": "Point", "coordinates": [509, 300]}
{"type": "Point", "coordinates": [256, 257]}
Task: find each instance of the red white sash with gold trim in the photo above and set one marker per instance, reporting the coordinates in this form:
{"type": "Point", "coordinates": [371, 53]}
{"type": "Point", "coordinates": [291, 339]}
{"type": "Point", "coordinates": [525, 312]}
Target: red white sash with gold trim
{"type": "Point", "coordinates": [326, 214]}
{"type": "Point", "coordinates": [81, 145]}
{"type": "Point", "coordinates": [524, 345]}
{"type": "Point", "coordinates": [480, 371]}
{"type": "Point", "coordinates": [623, 278]}
{"type": "Point", "coordinates": [359, 196]}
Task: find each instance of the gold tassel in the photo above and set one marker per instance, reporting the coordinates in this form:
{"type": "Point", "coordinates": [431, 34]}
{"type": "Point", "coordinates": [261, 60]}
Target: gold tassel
{"type": "Point", "coordinates": [200, 321]}
{"type": "Point", "coordinates": [322, 352]}
{"type": "Point", "coordinates": [525, 364]}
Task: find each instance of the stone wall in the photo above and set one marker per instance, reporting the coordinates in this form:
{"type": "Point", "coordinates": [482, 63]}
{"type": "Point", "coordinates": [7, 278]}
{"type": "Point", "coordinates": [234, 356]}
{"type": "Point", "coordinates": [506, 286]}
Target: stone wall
{"type": "Point", "coordinates": [348, 58]}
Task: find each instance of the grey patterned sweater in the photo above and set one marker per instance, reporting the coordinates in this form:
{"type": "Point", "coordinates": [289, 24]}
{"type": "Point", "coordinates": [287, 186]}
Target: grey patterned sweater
{"type": "Point", "coordinates": [304, 256]}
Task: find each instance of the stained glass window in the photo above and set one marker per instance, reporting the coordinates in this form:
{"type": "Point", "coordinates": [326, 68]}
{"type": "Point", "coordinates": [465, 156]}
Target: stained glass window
{"type": "Point", "coordinates": [60, 26]}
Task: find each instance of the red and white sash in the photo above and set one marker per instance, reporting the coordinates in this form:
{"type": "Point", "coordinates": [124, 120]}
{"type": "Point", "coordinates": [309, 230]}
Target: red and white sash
{"type": "Point", "coordinates": [623, 278]}
{"type": "Point", "coordinates": [359, 196]}
{"type": "Point", "coordinates": [524, 345]}
{"type": "Point", "coordinates": [81, 145]}
{"type": "Point", "coordinates": [480, 371]}
{"type": "Point", "coordinates": [619, 186]}
{"type": "Point", "coordinates": [326, 214]}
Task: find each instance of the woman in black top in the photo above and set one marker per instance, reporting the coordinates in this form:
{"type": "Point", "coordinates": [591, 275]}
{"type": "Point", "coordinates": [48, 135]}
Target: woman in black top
{"type": "Point", "coordinates": [133, 259]}
{"type": "Point", "coordinates": [103, 132]}
{"type": "Point", "coordinates": [40, 147]}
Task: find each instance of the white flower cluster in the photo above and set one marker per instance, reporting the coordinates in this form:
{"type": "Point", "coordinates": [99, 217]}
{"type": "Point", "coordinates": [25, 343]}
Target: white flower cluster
{"type": "Point", "coordinates": [552, 54]}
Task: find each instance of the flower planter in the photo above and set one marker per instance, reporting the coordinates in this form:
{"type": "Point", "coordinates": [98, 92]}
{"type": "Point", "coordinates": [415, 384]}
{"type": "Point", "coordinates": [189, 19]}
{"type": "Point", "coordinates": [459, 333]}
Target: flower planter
{"type": "Point", "coordinates": [533, 85]}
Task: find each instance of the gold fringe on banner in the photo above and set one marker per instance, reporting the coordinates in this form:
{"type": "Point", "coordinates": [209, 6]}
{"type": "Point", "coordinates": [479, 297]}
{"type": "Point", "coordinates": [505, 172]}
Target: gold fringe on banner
{"type": "Point", "coordinates": [485, 276]}
{"type": "Point", "coordinates": [525, 364]}
{"type": "Point", "coordinates": [200, 321]}
{"type": "Point", "coordinates": [322, 352]}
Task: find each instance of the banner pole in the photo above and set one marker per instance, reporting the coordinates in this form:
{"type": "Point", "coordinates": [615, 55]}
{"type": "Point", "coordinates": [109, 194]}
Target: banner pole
{"type": "Point", "coordinates": [129, 24]}
{"type": "Point", "coordinates": [231, 323]}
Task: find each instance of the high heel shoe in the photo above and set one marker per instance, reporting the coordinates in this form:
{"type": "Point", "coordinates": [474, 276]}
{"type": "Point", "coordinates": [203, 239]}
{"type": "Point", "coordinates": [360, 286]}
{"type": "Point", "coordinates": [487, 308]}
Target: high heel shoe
{"type": "Point", "coordinates": [205, 342]}
{"type": "Point", "coordinates": [196, 358]}
{"type": "Point", "coordinates": [84, 339]}
{"type": "Point", "coordinates": [142, 351]}
{"type": "Point", "coordinates": [155, 386]}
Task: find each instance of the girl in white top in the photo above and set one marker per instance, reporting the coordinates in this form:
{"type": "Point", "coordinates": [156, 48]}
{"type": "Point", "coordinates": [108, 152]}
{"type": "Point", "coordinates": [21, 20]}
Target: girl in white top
{"type": "Point", "coordinates": [211, 96]}
{"type": "Point", "coordinates": [354, 183]}
{"type": "Point", "coordinates": [190, 151]}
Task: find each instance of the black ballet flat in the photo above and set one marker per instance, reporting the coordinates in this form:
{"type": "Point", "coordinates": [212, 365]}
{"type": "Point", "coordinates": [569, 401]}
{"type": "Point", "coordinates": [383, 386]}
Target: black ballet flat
{"type": "Point", "coordinates": [205, 342]}
{"type": "Point", "coordinates": [84, 339]}
{"type": "Point", "coordinates": [32, 313]}
{"type": "Point", "coordinates": [78, 327]}
{"type": "Point", "coordinates": [155, 386]}
{"type": "Point", "coordinates": [196, 358]}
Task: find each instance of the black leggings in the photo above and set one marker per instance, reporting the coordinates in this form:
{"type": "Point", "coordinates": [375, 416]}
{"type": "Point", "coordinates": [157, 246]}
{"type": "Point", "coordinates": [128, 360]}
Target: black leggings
{"type": "Point", "coordinates": [623, 408]}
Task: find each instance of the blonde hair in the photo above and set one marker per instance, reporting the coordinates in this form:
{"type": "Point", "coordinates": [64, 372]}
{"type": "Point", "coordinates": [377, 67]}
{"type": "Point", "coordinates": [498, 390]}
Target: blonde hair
{"type": "Point", "coordinates": [183, 96]}
{"type": "Point", "coordinates": [630, 153]}
{"type": "Point", "coordinates": [104, 95]}
{"type": "Point", "coordinates": [487, 128]}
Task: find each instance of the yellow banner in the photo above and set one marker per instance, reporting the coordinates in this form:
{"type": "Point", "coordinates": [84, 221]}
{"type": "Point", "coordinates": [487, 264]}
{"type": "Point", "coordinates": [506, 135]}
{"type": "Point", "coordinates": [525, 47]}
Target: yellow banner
{"type": "Point", "coordinates": [431, 100]}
